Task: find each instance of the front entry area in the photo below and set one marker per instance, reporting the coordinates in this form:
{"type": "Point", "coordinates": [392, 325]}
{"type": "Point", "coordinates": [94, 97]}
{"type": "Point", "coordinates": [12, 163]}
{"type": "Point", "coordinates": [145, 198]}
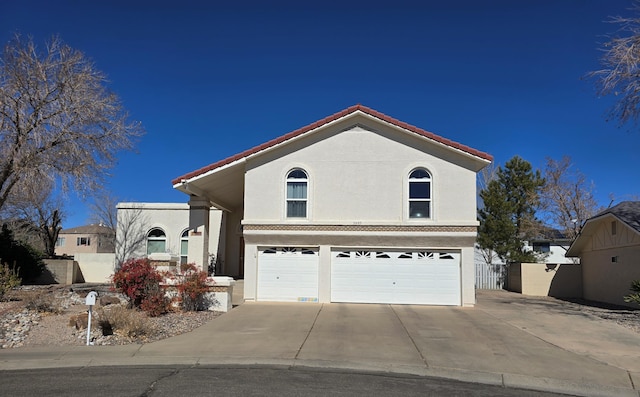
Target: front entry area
{"type": "Point", "coordinates": [420, 277]}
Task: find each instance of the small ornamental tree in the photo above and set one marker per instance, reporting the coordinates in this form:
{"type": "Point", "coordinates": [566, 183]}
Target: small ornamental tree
{"type": "Point", "coordinates": [140, 282]}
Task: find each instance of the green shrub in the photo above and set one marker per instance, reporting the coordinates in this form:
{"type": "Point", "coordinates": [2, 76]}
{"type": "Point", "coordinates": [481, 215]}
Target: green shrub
{"type": "Point", "coordinates": [634, 296]}
{"type": "Point", "coordinates": [8, 280]}
{"type": "Point", "coordinates": [140, 283]}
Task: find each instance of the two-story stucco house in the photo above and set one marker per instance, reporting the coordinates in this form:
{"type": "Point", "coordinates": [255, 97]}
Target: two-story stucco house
{"type": "Point", "coordinates": [89, 239]}
{"type": "Point", "coordinates": [356, 207]}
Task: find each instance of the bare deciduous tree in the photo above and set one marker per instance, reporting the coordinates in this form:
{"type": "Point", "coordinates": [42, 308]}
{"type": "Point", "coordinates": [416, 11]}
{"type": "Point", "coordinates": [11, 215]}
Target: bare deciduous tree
{"type": "Point", "coordinates": [129, 225]}
{"type": "Point", "coordinates": [567, 197]}
{"type": "Point", "coordinates": [58, 121]}
{"type": "Point", "coordinates": [620, 72]}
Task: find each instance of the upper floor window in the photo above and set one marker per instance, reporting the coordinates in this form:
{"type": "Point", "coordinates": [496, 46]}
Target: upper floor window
{"type": "Point", "coordinates": [184, 247]}
{"type": "Point", "coordinates": [60, 242]}
{"type": "Point", "coordinates": [297, 182]}
{"type": "Point", "coordinates": [156, 241]}
{"type": "Point", "coordinates": [83, 241]}
{"type": "Point", "coordinates": [419, 194]}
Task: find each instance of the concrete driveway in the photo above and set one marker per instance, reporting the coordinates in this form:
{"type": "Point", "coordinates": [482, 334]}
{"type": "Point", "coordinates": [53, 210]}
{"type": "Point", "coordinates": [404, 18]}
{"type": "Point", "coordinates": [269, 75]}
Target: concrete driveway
{"type": "Point", "coordinates": [505, 340]}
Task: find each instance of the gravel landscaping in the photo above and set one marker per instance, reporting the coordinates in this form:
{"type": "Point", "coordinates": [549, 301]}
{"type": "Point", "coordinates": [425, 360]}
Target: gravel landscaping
{"type": "Point", "coordinates": [21, 327]}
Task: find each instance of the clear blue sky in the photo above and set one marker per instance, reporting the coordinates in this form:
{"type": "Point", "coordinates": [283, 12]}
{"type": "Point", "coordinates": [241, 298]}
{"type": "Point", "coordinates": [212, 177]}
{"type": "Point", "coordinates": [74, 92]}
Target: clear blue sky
{"type": "Point", "coordinates": [209, 79]}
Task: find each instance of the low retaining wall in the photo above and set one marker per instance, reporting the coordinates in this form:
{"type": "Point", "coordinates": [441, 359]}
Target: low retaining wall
{"type": "Point", "coordinates": [219, 295]}
{"type": "Point", "coordinates": [60, 271]}
{"type": "Point", "coordinates": [544, 279]}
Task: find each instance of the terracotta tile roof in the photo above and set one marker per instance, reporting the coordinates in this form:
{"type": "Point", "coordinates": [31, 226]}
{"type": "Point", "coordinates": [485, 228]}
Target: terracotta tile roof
{"type": "Point", "coordinates": [327, 120]}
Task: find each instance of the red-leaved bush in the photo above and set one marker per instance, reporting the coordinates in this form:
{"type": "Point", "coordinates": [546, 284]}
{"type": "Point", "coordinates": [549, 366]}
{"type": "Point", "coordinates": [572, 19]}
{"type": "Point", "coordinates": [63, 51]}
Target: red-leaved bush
{"type": "Point", "coordinates": [192, 288]}
{"type": "Point", "coordinates": [139, 281]}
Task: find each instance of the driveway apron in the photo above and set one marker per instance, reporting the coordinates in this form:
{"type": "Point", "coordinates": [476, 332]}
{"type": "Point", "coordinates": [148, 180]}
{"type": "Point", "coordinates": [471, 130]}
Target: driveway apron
{"type": "Point", "coordinates": [250, 331]}
{"type": "Point", "coordinates": [470, 339]}
{"type": "Point", "coordinates": [360, 333]}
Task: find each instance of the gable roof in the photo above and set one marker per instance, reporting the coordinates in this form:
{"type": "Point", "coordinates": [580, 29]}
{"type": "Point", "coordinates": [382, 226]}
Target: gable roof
{"type": "Point", "coordinates": [346, 112]}
{"type": "Point", "coordinates": [88, 229]}
{"type": "Point", "coordinates": [627, 212]}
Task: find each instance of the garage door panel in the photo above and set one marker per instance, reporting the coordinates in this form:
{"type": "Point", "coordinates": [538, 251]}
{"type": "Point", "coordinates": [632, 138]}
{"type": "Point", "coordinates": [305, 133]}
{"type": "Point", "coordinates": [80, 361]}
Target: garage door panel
{"type": "Point", "coordinates": [287, 274]}
{"type": "Point", "coordinates": [398, 277]}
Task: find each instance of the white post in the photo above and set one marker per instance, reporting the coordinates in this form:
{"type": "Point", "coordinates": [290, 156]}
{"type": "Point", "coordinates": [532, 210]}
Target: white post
{"type": "Point", "coordinates": [90, 300]}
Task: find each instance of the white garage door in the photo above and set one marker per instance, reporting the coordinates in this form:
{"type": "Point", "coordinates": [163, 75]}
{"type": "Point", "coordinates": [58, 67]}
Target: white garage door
{"type": "Point", "coordinates": [288, 274]}
{"type": "Point", "coordinates": [399, 277]}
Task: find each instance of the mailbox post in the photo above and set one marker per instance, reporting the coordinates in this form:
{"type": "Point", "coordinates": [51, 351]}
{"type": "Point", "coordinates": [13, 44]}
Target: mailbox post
{"type": "Point", "coordinates": [90, 300]}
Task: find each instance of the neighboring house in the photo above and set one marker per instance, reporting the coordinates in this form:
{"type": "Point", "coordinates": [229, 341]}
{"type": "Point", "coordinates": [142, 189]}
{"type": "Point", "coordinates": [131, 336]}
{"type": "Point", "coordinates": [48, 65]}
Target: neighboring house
{"type": "Point", "coordinates": [146, 228]}
{"type": "Point", "coordinates": [356, 207]}
{"type": "Point", "coordinates": [90, 239]}
{"type": "Point", "coordinates": [609, 250]}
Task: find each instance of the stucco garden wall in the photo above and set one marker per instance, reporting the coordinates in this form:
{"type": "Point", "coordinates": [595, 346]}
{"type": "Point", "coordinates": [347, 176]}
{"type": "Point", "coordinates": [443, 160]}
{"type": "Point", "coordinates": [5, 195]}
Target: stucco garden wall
{"type": "Point", "coordinates": [542, 279]}
{"type": "Point", "coordinates": [96, 268]}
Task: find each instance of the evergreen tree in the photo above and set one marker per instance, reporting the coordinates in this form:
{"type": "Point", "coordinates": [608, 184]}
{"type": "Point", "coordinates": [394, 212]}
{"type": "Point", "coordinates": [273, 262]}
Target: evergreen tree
{"type": "Point", "coordinates": [507, 217]}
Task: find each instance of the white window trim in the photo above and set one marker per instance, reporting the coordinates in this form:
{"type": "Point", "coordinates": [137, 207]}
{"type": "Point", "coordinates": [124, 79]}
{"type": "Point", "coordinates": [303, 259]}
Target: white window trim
{"type": "Point", "coordinates": [286, 198]}
{"type": "Point", "coordinates": [408, 200]}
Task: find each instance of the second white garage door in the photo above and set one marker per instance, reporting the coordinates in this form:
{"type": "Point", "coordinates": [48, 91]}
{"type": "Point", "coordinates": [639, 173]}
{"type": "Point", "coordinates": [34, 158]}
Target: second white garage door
{"type": "Point", "coordinates": [288, 274]}
{"type": "Point", "coordinates": [395, 277]}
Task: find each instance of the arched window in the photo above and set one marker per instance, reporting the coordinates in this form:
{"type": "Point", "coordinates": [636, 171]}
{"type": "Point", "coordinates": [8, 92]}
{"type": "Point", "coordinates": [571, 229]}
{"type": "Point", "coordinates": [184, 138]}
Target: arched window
{"type": "Point", "coordinates": [297, 181]}
{"type": "Point", "coordinates": [184, 247]}
{"type": "Point", "coordinates": [156, 241]}
{"type": "Point", "coordinates": [419, 194]}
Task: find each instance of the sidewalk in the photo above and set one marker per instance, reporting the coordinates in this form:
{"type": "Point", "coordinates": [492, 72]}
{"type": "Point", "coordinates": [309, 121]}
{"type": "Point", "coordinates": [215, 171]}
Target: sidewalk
{"type": "Point", "coordinates": [505, 340]}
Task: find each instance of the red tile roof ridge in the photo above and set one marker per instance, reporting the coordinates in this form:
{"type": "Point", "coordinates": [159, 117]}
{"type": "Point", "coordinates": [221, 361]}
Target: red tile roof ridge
{"type": "Point", "coordinates": [327, 120]}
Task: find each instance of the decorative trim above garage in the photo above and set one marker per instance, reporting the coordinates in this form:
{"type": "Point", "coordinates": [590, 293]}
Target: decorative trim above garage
{"type": "Point", "coordinates": [362, 228]}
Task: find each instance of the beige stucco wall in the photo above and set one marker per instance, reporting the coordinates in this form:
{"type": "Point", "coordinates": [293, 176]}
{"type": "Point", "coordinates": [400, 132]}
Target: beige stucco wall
{"type": "Point", "coordinates": [541, 279]}
{"type": "Point", "coordinates": [173, 218]}
{"type": "Point", "coordinates": [96, 268]}
{"type": "Point", "coordinates": [97, 243]}
{"type": "Point", "coordinates": [607, 281]}
{"type": "Point", "coordinates": [360, 176]}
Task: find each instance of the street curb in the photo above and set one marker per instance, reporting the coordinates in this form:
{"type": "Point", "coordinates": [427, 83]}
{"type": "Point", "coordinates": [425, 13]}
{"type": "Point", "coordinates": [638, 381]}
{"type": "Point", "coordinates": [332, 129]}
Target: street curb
{"type": "Point", "coordinates": [63, 359]}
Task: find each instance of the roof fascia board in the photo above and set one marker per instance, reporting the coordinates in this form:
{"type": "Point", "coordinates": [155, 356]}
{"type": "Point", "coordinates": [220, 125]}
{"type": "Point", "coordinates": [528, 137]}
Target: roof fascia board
{"type": "Point", "coordinates": [304, 135]}
{"type": "Point", "coordinates": [188, 188]}
{"type": "Point", "coordinates": [210, 172]}
{"type": "Point", "coordinates": [424, 138]}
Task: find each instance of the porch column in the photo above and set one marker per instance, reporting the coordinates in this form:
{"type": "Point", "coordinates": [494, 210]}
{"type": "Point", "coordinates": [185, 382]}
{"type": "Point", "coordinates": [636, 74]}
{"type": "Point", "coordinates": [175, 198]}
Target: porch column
{"type": "Point", "coordinates": [198, 250]}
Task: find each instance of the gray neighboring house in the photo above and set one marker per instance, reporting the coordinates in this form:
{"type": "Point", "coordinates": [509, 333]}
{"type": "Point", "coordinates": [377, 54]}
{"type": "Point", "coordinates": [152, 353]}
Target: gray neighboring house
{"type": "Point", "coordinates": [609, 250]}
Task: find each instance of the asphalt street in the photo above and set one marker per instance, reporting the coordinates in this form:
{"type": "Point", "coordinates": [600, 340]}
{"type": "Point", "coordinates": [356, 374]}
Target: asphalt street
{"type": "Point", "coordinates": [240, 381]}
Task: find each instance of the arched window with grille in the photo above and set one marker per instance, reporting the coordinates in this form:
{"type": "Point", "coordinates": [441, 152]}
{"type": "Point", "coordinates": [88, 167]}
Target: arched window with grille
{"type": "Point", "coordinates": [297, 193]}
{"type": "Point", "coordinates": [156, 241]}
{"type": "Point", "coordinates": [420, 194]}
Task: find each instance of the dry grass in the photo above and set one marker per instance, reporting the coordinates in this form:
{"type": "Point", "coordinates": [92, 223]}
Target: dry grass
{"type": "Point", "coordinates": [123, 321]}
{"type": "Point", "coordinates": [42, 301]}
